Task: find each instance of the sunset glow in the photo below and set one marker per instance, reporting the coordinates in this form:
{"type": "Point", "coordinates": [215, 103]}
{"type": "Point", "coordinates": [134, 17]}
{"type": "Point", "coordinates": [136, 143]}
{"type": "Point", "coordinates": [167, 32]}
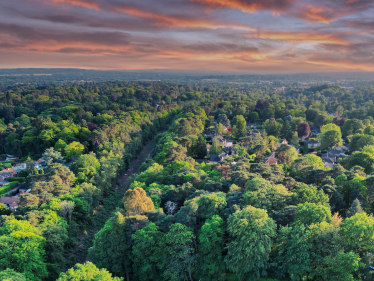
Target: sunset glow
{"type": "Point", "coordinates": [235, 35]}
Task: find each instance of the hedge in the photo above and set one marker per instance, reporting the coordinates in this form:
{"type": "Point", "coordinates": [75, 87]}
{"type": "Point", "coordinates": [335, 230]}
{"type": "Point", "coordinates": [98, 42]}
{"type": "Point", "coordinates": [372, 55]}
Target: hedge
{"type": "Point", "coordinates": [6, 164]}
{"type": "Point", "coordinates": [8, 187]}
{"type": "Point", "coordinates": [13, 179]}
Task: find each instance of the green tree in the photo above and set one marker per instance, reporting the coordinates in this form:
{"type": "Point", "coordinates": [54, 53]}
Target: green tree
{"type": "Point", "coordinates": [286, 154]}
{"type": "Point", "coordinates": [86, 165]}
{"type": "Point", "coordinates": [222, 118]}
{"type": "Point", "coordinates": [362, 159]}
{"type": "Point", "coordinates": [273, 128]}
{"type": "Point", "coordinates": [220, 129]}
{"type": "Point", "coordinates": [23, 252]}
{"type": "Point", "coordinates": [199, 148]}
{"type": "Point", "coordinates": [351, 126]}
{"type": "Point", "coordinates": [145, 252]}
{"type": "Point", "coordinates": [86, 272]}
{"type": "Point", "coordinates": [359, 141]}
{"type": "Point", "coordinates": [215, 149]}
{"type": "Point", "coordinates": [211, 204]}
{"type": "Point", "coordinates": [179, 253]}
{"type": "Point", "coordinates": [11, 275]}
{"type": "Point", "coordinates": [288, 133]}
{"type": "Point", "coordinates": [295, 139]}
{"type": "Point", "coordinates": [240, 128]}
{"type": "Point", "coordinates": [60, 146]}
{"type": "Point", "coordinates": [211, 247]}
{"type": "Point", "coordinates": [73, 149]}
{"type": "Point", "coordinates": [251, 232]}
{"type": "Point", "coordinates": [91, 193]}
{"type": "Point", "coordinates": [330, 127]}
{"type": "Point", "coordinates": [311, 213]}
{"type": "Point", "coordinates": [338, 267]}
{"type": "Point", "coordinates": [331, 139]}
{"type": "Point", "coordinates": [354, 209]}
{"type": "Point", "coordinates": [358, 233]}
{"type": "Point", "coordinates": [264, 194]}
{"type": "Point", "coordinates": [254, 117]}
{"type": "Point", "coordinates": [51, 156]}
{"type": "Point", "coordinates": [112, 244]}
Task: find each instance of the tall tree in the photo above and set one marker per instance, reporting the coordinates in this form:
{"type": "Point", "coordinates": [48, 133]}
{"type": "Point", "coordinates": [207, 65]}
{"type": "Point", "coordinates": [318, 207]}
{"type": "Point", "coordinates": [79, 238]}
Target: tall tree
{"type": "Point", "coordinates": [179, 253]}
{"type": "Point", "coordinates": [303, 130]}
{"type": "Point", "coordinates": [240, 128]}
{"type": "Point", "coordinates": [146, 251]}
{"type": "Point", "coordinates": [331, 139]}
{"type": "Point", "coordinates": [354, 209]}
{"type": "Point", "coordinates": [222, 118]}
{"type": "Point", "coordinates": [251, 232]}
{"type": "Point", "coordinates": [215, 149]}
{"type": "Point", "coordinates": [136, 202]}
{"type": "Point", "coordinates": [286, 154]}
{"type": "Point", "coordinates": [211, 247]}
{"type": "Point", "coordinates": [199, 148]}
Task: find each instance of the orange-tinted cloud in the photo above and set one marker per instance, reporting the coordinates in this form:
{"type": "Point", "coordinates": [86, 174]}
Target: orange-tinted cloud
{"type": "Point", "coordinates": [249, 6]}
{"type": "Point", "coordinates": [308, 37]}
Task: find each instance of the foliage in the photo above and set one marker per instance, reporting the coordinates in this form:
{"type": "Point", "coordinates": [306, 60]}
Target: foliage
{"type": "Point", "coordinates": [251, 232]}
{"type": "Point", "coordinates": [86, 272]}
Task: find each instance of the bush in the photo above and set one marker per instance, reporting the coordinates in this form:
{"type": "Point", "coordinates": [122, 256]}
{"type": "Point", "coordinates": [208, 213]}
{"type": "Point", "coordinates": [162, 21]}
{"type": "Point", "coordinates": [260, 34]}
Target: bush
{"type": "Point", "coordinates": [4, 189]}
{"type": "Point", "coordinates": [8, 187]}
{"type": "Point", "coordinates": [13, 179]}
{"type": "Point", "coordinates": [6, 164]}
{"type": "Point", "coordinates": [23, 173]}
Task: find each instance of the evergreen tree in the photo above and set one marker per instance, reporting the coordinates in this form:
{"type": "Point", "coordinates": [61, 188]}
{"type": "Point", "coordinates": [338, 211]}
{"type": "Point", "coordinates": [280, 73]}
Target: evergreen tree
{"type": "Point", "coordinates": [215, 149]}
{"type": "Point", "coordinates": [222, 118]}
{"type": "Point", "coordinates": [199, 148]}
{"type": "Point", "coordinates": [295, 139]}
{"type": "Point", "coordinates": [240, 128]}
{"type": "Point", "coordinates": [286, 131]}
{"type": "Point", "coordinates": [354, 209]}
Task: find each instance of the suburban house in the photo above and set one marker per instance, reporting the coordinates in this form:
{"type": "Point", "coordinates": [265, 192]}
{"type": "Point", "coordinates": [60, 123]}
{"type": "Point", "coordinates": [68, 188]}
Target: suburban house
{"type": "Point", "coordinates": [11, 158]}
{"type": "Point", "coordinates": [328, 162]}
{"type": "Point", "coordinates": [251, 125]}
{"type": "Point", "coordinates": [253, 133]}
{"type": "Point", "coordinates": [221, 140]}
{"type": "Point", "coordinates": [333, 154]}
{"type": "Point", "coordinates": [313, 143]}
{"type": "Point", "coordinates": [217, 158]}
{"type": "Point", "coordinates": [10, 202]}
{"type": "Point", "coordinates": [20, 166]}
{"type": "Point", "coordinates": [270, 159]}
{"type": "Point", "coordinates": [283, 141]}
{"type": "Point", "coordinates": [315, 131]}
{"type": "Point", "coordinates": [38, 163]}
{"type": "Point", "coordinates": [228, 149]}
{"type": "Point", "coordinates": [7, 173]}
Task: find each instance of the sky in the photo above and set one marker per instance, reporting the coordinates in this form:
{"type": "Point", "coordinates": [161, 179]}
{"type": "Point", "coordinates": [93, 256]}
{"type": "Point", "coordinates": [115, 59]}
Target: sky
{"type": "Point", "coordinates": [221, 35]}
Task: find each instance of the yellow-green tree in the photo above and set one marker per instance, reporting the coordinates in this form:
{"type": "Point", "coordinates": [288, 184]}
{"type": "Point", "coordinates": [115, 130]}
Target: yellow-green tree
{"type": "Point", "coordinates": [73, 149]}
{"type": "Point", "coordinates": [136, 202]}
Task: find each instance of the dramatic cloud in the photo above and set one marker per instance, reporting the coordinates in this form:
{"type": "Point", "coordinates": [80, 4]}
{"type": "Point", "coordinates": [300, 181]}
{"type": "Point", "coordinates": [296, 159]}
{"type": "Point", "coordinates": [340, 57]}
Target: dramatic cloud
{"type": "Point", "coordinates": [262, 35]}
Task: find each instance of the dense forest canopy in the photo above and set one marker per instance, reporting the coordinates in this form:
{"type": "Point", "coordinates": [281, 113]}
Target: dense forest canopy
{"type": "Point", "coordinates": [174, 181]}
